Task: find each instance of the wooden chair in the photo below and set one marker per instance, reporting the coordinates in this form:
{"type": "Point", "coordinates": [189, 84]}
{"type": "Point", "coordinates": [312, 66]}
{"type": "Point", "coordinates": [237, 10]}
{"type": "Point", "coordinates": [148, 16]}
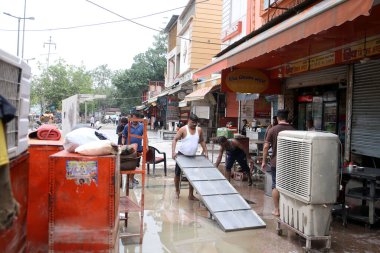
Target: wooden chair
{"type": "Point", "coordinates": [151, 158]}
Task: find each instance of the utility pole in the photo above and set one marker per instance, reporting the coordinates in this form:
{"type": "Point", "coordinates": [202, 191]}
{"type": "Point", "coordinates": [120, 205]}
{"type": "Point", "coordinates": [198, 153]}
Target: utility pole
{"type": "Point", "coordinates": [49, 44]}
{"type": "Point", "coordinates": [23, 31]}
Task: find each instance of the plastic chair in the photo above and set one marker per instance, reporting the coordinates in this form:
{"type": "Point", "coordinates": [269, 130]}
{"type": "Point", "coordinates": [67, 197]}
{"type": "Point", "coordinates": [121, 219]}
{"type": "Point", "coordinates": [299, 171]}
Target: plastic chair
{"type": "Point", "coordinates": [151, 158]}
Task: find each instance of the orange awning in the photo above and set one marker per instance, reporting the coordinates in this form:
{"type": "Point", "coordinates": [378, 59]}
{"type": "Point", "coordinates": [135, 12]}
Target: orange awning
{"type": "Point", "coordinates": [316, 19]}
{"type": "Point", "coordinates": [198, 94]}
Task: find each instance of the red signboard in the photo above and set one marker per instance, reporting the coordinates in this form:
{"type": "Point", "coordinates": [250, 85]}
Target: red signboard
{"type": "Point", "coordinates": [305, 99]}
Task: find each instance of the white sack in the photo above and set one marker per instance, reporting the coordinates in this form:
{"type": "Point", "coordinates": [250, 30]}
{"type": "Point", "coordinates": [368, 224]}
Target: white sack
{"type": "Point", "coordinates": [79, 137]}
{"type": "Point", "coordinates": [99, 147]}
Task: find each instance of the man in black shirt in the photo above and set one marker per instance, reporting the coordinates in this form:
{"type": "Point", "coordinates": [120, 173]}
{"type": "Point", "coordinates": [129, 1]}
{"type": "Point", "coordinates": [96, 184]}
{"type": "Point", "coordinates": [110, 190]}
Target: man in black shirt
{"type": "Point", "coordinates": [119, 130]}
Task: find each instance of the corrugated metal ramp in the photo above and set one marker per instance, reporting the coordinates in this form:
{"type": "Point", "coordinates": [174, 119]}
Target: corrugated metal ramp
{"type": "Point", "coordinates": [222, 200]}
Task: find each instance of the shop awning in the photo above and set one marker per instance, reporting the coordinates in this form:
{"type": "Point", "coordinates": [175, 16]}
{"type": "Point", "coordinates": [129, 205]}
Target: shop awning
{"type": "Point", "coordinates": [182, 103]}
{"type": "Point", "coordinates": [164, 93]}
{"type": "Point", "coordinates": [315, 20]}
{"type": "Point", "coordinates": [140, 107]}
{"type": "Point", "coordinates": [175, 90]}
{"type": "Point", "coordinates": [152, 100]}
{"type": "Point", "coordinates": [198, 94]}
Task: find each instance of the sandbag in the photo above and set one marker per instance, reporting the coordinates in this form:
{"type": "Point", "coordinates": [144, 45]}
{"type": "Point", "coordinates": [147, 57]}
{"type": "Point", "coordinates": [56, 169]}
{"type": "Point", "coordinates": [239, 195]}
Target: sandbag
{"type": "Point", "coordinates": [99, 147]}
{"type": "Point", "coordinates": [79, 137]}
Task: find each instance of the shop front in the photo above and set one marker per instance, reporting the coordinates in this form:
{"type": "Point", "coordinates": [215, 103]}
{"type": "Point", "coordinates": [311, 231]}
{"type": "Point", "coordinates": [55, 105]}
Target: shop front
{"type": "Point", "coordinates": [320, 100]}
{"type": "Point", "coordinates": [322, 56]}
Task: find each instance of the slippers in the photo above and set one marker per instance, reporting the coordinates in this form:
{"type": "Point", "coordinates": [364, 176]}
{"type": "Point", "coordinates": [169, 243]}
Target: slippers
{"type": "Point", "coordinates": [193, 198]}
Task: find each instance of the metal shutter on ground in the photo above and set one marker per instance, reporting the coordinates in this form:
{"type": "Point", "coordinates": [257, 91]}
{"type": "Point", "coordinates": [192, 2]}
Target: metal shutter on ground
{"type": "Point", "coordinates": [366, 109]}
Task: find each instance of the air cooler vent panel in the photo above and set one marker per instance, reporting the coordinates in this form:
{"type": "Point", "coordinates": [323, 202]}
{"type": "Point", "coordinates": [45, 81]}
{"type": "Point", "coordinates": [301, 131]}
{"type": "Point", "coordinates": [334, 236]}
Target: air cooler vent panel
{"type": "Point", "coordinates": [307, 166]}
{"type": "Point", "coordinates": [296, 178]}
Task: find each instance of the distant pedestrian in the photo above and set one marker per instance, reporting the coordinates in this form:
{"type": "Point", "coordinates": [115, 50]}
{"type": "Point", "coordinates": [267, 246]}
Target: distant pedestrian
{"type": "Point", "coordinates": [119, 130]}
{"type": "Point", "coordinates": [92, 121]}
{"type": "Point", "coordinates": [244, 128]}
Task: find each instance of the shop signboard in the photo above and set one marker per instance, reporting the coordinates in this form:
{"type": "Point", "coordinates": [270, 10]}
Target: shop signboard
{"type": "Point", "coordinates": [172, 113]}
{"type": "Point", "coordinates": [297, 67]}
{"type": "Point", "coordinates": [262, 108]}
{"type": "Point", "coordinates": [322, 61]}
{"type": "Point", "coordinates": [366, 48]}
{"type": "Point", "coordinates": [248, 81]}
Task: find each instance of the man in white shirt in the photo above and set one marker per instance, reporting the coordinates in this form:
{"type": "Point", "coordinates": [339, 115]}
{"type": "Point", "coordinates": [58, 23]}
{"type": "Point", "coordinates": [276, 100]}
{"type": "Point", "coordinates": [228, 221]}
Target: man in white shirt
{"type": "Point", "coordinates": [190, 135]}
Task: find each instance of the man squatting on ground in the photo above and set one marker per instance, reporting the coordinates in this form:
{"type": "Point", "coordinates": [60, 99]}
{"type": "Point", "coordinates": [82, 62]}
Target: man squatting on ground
{"type": "Point", "coordinates": [235, 152]}
{"type": "Point", "coordinates": [271, 141]}
{"type": "Point", "coordinates": [190, 135]}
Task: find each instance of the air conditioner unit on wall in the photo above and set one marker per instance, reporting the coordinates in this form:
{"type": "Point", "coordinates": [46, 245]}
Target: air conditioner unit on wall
{"type": "Point", "coordinates": [307, 179]}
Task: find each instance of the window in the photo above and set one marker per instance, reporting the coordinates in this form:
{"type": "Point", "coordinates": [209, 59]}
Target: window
{"type": "Point", "coordinates": [268, 2]}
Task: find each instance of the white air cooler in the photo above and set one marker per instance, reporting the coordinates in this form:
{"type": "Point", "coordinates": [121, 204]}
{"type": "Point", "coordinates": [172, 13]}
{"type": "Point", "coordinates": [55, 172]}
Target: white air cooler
{"type": "Point", "coordinates": [307, 179]}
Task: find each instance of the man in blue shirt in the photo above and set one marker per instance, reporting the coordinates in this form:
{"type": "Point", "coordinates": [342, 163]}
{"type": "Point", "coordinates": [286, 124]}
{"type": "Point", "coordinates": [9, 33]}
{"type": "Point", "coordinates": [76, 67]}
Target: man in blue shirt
{"type": "Point", "coordinates": [136, 128]}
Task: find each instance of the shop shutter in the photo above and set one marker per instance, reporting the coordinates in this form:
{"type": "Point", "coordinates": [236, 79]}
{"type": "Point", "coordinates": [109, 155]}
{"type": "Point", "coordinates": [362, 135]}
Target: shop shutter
{"type": "Point", "coordinates": [365, 136]}
{"type": "Point", "coordinates": [326, 76]}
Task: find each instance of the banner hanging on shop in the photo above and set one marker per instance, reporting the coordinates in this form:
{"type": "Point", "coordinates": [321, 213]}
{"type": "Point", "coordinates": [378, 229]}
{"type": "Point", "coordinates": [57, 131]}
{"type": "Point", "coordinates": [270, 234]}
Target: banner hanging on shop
{"type": "Point", "coordinates": [248, 81]}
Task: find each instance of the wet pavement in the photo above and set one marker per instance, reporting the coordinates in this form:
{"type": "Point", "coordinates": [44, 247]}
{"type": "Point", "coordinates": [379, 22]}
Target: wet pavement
{"type": "Point", "coordinates": [181, 225]}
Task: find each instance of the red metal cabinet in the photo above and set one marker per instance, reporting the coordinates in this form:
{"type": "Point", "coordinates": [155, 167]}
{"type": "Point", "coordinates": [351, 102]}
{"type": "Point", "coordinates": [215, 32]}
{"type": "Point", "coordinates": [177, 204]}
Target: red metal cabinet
{"type": "Point", "coordinates": [37, 218]}
{"type": "Point", "coordinates": [14, 238]}
{"type": "Point", "coordinates": [84, 202]}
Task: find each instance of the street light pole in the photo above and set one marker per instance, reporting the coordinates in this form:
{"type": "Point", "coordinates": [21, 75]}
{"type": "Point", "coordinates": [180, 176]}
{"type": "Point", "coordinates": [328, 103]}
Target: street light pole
{"type": "Point", "coordinates": [18, 36]}
{"type": "Point", "coordinates": [18, 28]}
{"type": "Point", "coordinates": [23, 31]}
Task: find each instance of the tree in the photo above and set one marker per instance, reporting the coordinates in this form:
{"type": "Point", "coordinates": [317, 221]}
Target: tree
{"type": "Point", "coordinates": [147, 66]}
{"type": "Point", "coordinates": [102, 84]}
{"type": "Point", "coordinates": [60, 81]}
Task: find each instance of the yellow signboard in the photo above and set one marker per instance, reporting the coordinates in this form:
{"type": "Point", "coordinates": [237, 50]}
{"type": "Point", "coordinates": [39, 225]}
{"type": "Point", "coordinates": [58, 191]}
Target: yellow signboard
{"type": "Point", "coordinates": [247, 81]}
{"type": "Point", "coordinates": [373, 47]}
{"type": "Point", "coordinates": [322, 61]}
{"type": "Point", "coordinates": [297, 67]}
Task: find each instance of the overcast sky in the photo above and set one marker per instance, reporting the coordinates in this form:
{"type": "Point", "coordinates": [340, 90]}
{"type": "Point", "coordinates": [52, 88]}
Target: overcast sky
{"type": "Point", "coordinates": [114, 44]}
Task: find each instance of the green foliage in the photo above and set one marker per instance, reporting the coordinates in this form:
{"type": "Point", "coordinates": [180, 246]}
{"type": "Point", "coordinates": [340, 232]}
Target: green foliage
{"type": "Point", "coordinates": [147, 66]}
{"type": "Point", "coordinates": [102, 85]}
{"type": "Point", "coordinates": [122, 88]}
{"type": "Point", "coordinates": [60, 81]}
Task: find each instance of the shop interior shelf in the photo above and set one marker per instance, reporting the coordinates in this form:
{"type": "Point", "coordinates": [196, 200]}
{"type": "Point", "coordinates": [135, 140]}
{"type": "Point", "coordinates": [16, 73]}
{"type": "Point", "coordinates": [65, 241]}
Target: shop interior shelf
{"type": "Point", "coordinates": [362, 193]}
{"type": "Point", "coordinates": [360, 213]}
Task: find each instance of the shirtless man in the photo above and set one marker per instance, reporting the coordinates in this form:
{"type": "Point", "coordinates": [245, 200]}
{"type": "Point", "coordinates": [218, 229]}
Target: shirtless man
{"type": "Point", "coordinates": [190, 135]}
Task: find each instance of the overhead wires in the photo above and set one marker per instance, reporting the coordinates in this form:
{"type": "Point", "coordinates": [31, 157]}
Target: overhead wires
{"type": "Point", "coordinates": [124, 19]}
